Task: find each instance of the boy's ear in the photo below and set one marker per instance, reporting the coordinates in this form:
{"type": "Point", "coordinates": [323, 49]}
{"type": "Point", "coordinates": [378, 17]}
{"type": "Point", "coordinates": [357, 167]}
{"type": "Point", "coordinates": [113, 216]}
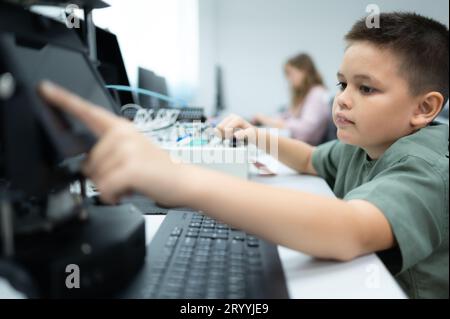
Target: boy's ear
{"type": "Point", "coordinates": [428, 108]}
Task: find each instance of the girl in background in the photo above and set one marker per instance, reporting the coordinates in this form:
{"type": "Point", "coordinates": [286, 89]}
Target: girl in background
{"type": "Point", "coordinates": [309, 111]}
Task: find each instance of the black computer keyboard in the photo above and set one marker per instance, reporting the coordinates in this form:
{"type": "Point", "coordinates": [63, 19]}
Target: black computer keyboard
{"type": "Point", "coordinates": [190, 114]}
{"type": "Point", "coordinates": [196, 257]}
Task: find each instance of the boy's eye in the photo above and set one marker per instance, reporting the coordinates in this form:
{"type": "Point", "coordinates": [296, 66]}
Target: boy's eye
{"type": "Point", "coordinates": [366, 89]}
{"type": "Point", "coordinates": [342, 86]}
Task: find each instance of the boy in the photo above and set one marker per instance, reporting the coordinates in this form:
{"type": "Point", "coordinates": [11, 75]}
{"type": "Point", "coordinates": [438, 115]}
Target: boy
{"type": "Point", "coordinates": [389, 168]}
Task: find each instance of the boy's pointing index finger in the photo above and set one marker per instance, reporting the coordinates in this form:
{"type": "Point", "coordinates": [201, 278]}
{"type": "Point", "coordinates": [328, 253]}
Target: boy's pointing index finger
{"type": "Point", "coordinates": [95, 118]}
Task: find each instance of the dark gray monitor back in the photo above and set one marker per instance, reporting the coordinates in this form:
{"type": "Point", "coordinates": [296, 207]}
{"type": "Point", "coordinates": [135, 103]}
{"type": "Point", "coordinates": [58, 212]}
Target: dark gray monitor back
{"type": "Point", "coordinates": [148, 80]}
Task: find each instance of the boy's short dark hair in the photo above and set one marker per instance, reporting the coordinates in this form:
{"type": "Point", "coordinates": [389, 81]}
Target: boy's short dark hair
{"type": "Point", "coordinates": [421, 43]}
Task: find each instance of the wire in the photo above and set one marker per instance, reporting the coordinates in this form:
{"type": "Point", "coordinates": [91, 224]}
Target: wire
{"type": "Point", "coordinates": [147, 92]}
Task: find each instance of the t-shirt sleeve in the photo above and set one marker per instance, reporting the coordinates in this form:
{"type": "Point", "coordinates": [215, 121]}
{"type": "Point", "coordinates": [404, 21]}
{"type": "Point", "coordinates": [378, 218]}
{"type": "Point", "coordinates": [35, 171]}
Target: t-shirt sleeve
{"type": "Point", "coordinates": [413, 196]}
{"type": "Point", "coordinates": [325, 160]}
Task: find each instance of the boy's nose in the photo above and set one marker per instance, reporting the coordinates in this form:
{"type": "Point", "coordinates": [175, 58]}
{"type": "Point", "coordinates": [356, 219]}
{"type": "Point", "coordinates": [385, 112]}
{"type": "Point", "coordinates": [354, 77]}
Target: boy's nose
{"type": "Point", "coordinates": [343, 100]}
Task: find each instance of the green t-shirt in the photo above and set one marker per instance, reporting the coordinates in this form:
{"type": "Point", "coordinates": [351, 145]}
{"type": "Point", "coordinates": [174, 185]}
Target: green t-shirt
{"type": "Point", "coordinates": [409, 184]}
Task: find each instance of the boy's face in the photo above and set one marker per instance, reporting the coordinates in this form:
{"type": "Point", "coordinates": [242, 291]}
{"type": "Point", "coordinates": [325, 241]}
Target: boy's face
{"type": "Point", "coordinates": [374, 107]}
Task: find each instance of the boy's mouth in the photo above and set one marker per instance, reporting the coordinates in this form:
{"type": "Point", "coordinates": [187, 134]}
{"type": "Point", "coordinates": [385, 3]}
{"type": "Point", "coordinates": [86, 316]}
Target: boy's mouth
{"type": "Point", "coordinates": [341, 120]}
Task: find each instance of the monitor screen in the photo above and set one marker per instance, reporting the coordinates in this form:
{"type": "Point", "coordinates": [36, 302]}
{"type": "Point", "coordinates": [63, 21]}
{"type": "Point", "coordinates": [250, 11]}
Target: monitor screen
{"type": "Point", "coordinates": [148, 80]}
{"type": "Point", "coordinates": [111, 65]}
{"type": "Point", "coordinates": [66, 67]}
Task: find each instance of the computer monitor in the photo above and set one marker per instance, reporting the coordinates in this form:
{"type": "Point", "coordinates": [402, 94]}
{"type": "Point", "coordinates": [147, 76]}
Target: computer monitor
{"type": "Point", "coordinates": [148, 80]}
{"type": "Point", "coordinates": [37, 142]}
{"type": "Point", "coordinates": [220, 103]}
{"type": "Point", "coordinates": [111, 65]}
{"type": "Point", "coordinates": [41, 149]}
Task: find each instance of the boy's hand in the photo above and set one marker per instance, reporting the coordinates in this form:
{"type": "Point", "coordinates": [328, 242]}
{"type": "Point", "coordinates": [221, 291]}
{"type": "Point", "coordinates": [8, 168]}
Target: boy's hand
{"type": "Point", "coordinates": [123, 160]}
{"type": "Point", "coordinates": [260, 119]}
{"type": "Point", "coordinates": [234, 125]}
{"type": "Point", "coordinates": [264, 120]}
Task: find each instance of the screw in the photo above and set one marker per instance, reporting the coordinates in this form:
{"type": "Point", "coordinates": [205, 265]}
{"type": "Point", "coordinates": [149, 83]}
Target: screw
{"type": "Point", "coordinates": [7, 86]}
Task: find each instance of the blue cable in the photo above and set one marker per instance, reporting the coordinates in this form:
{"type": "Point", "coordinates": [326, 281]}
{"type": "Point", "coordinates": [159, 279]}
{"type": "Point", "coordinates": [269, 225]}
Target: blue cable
{"type": "Point", "coordinates": [148, 93]}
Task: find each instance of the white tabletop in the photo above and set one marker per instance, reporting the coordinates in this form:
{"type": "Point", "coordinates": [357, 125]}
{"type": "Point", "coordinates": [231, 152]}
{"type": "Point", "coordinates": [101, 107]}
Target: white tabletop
{"type": "Point", "coordinates": [307, 277]}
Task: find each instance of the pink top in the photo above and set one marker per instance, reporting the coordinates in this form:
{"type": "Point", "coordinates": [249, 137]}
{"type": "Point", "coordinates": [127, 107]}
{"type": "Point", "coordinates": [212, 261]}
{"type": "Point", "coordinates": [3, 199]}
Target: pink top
{"type": "Point", "coordinates": [311, 123]}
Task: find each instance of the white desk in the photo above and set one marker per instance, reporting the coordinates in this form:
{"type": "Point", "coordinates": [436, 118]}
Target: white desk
{"type": "Point", "coordinates": [307, 277]}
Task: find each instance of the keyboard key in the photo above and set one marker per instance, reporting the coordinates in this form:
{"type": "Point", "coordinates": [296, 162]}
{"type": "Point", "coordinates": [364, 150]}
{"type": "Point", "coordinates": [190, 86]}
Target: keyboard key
{"type": "Point", "coordinates": [236, 247]}
{"type": "Point", "coordinates": [218, 259]}
{"type": "Point", "coordinates": [180, 273]}
{"type": "Point", "coordinates": [220, 244]}
{"type": "Point", "coordinates": [181, 265]}
{"type": "Point", "coordinates": [204, 242]}
{"type": "Point", "coordinates": [221, 236]}
{"type": "Point", "coordinates": [199, 269]}
{"type": "Point", "coordinates": [222, 226]}
{"type": "Point", "coordinates": [253, 252]}
{"type": "Point", "coordinates": [253, 243]}
{"type": "Point", "coordinates": [203, 252]}
{"type": "Point", "coordinates": [189, 242]}
{"type": "Point", "coordinates": [236, 270]}
{"type": "Point", "coordinates": [239, 257]}
{"type": "Point", "coordinates": [192, 234]}
{"type": "Point", "coordinates": [236, 278]}
{"type": "Point", "coordinates": [176, 231]}
{"type": "Point", "coordinates": [216, 273]}
{"type": "Point", "coordinates": [236, 262]}
{"type": "Point", "coordinates": [174, 283]}
{"type": "Point", "coordinates": [199, 263]}
{"type": "Point", "coordinates": [200, 258]}
{"type": "Point", "coordinates": [186, 253]}
{"type": "Point", "coordinates": [182, 259]}
{"type": "Point", "coordinates": [171, 242]}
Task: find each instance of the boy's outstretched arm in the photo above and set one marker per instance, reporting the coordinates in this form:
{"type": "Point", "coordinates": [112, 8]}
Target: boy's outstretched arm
{"type": "Point", "coordinates": [316, 225]}
{"type": "Point", "coordinates": [124, 160]}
